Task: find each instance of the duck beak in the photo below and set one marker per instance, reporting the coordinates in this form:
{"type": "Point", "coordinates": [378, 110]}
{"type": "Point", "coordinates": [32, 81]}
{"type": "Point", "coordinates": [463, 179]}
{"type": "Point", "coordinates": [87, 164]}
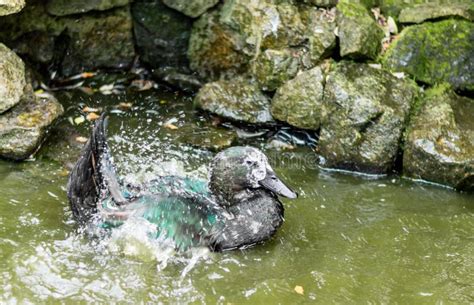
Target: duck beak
{"type": "Point", "coordinates": [272, 183]}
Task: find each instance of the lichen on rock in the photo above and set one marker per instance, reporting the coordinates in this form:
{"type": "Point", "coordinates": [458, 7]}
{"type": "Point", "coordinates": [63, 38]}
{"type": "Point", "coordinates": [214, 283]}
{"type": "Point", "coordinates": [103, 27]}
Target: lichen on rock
{"type": "Point", "coordinates": [299, 101]}
{"type": "Point", "coordinates": [367, 112]}
{"type": "Point", "coordinates": [237, 100]}
{"type": "Point", "coordinates": [191, 8]}
{"type": "Point", "coordinates": [24, 127]}
{"type": "Point", "coordinates": [439, 146]}
{"type": "Point", "coordinates": [435, 53]}
{"type": "Point", "coordinates": [359, 34]}
{"type": "Point", "coordinates": [12, 78]}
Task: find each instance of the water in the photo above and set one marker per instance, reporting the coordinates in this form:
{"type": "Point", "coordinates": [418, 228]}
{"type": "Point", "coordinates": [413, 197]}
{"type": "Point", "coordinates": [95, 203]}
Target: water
{"type": "Point", "coordinates": [346, 239]}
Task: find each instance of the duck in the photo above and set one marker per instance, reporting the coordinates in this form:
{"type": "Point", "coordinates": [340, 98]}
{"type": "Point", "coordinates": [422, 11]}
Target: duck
{"type": "Point", "coordinates": [237, 208]}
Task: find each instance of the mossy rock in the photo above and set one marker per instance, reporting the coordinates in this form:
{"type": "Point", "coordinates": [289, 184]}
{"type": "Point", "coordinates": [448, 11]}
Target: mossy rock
{"type": "Point", "coordinates": [359, 34]}
{"type": "Point", "coordinates": [24, 127]}
{"type": "Point", "coordinates": [440, 140]}
{"type": "Point", "coordinates": [435, 53]}
{"type": "Point", "coordinates": [191, 8]}
{"type": "Point", "coordinates": [367, 112]}
{"type": "Point", "coordinates": [273, 67]}
{"type": "Point", "coordinates": [299, 102]}
{"type": "Point", "coordinates": [394, 7]}
{"type": "Point", "coordinates": [11, 7]}
{"type": "Point", "coordinates": [426, 11]}
{"type": "Point", "coordinates": [71, 7]}
{"type": "Point", "coordinates": [237, 100]}
{"type": "Point", "coordinates": [320, 32]}
{"type": "Point", "coordinates": [12, 78]}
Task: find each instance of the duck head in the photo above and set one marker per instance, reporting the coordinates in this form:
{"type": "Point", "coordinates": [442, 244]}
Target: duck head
{"type": "Point", "coordinates": [239, 170]}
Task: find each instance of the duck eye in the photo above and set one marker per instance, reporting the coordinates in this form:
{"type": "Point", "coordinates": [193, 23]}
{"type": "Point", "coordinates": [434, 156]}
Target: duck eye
{"type": "Point", "coordinates": [249, 162]}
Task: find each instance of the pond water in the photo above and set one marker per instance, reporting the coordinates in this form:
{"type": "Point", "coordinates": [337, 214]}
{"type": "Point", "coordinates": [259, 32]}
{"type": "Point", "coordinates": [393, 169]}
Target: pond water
{"type": "Point", "coordinates": [347, 239]}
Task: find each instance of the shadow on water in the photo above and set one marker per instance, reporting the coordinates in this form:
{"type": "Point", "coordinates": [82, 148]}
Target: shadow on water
{"type": "Point", "coordinates": [346, 239]}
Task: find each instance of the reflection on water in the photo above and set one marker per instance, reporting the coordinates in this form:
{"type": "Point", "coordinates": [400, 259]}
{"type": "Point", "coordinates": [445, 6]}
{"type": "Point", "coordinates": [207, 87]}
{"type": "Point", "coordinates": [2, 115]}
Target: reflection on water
{"type": "Point", "coordinates": [346, 239]}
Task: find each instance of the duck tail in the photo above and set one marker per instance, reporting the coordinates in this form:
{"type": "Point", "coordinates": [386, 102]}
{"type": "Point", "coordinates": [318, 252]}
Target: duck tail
{"type": "Point", "coordinates": [93, 176]}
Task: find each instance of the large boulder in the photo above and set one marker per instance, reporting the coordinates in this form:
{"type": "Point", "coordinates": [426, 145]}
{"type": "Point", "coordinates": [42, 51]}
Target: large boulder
{"type": "Point", "coordinates": [224, 41]}
{"type": "Point", "coordinates": [8, 7]}
{"type": "Point", "coordinates": [440, 140]}
{"type": "Point", "coordinates": [237, 100]}
{"type": "Point", "coordinates": [299, 102]}
{"type": "Point", "coordinates": [71, 7]}
{"type": "Point", "coordinates": [426, 11]}
{"type": "Point", "coordinates": [359, 34]}
{"type": "Point", "coordinates": [71, 44]}
{"type": "Point", "coordinates": [24, 127]}
{"type": "Point", "coordinates": [436, 52]}
{"type": "Point", "coordinates": [366, 113]}
{"type": "Point", "coordinates": [12, 78]}
{"type": "Point", "coordinates": [191, 8]}
{"type": "Point", "coordinates": [273, 67]}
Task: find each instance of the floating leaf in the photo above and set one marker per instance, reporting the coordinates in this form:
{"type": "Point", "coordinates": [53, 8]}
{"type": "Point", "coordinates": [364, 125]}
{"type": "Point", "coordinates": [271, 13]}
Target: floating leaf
{"type": "Point", "coordinates": [79, 120]}
{"type": "Point", "coordinates": [90, 109]}
{"type": "Point", "coordinates": [299, 289]}
{"type": "Point", "coordinates": [87, 74]}
{"type": "Point", "coordinates": [125, 106]}
{"type": "Point", "coordinates": [81, 139]}
{"type": "Point", "coordinates": [170, 126]}
{"type": "Point", "coordinates": [143, 84]}
{"type": "Point", "coordinates": [92, 116]}
{"type": "Point", "coordinates": [106, 89]}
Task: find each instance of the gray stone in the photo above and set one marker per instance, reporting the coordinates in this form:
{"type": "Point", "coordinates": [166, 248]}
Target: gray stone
{"type": "Point", "coordinates": [299, 102]}
{"type": "Point", "coordinates": [23, 129]}
{"type": "Point", "coordinates": [435, 53]}
{"type": "Point", "coordinates": [440, 140]}
{"type": "Point", "coordinates": [427, 11]}
{"type": "Point", "coordinates": [12, 78]}
{"type": "Point", "coordinates": [8, 7]}
{"type": "Point", "coordinates": [359, 34]}
{"type": "Point", "coordinates": [320, 32]}
{"type": "Point", "coordinates": [162, 36]}
{"type": "Point", "coordinates": [237, 100]}
{"type": "Point", "coordinates": [191, 8]}
{"type": "Point", "coordinates": [367, 112]}
{"type": "Point", "coordinates": [273, 67]}
{"type": "Point", "coordinates": [71, 7]}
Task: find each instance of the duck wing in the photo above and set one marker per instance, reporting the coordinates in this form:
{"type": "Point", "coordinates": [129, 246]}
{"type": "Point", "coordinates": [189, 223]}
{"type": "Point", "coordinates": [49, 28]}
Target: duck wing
{"type": "Point", "coordinates": [93, 176]}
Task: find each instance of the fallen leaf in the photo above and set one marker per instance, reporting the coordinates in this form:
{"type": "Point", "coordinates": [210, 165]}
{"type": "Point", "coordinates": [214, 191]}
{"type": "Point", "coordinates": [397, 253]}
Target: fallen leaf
{"type": "Point", "coordinates": [170, 126]}
{"type": "Point", "coordinates": [124, 105]}
{"type": "Point", "coordinates": [143, 84]}
{"type": "Point", "coordinates": [92, 116]}
{"type": "Point", "coordinates": [81, 139]}
{"type": "Point", "coordinates": [87, 74]}
{"type": "Point", "coordinates": [90, 109]}
{"type": "Point", "coordinates": [87, 90]}
{"type": "Point", "coordinates": [299, 289]}
{"type": "Point", "coordinates": [79, 120]}
{"type": "Point", "coordinates": [106, 89]}
{"type": "Point", "coordinates": [392, 25]}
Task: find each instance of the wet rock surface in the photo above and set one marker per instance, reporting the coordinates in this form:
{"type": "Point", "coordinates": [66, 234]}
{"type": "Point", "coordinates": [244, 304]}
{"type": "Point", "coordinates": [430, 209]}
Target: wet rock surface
{"type": "Point", "coordinates": [299, 102]}
{"type": "Point", "coordinates": [71, 44]}
{"type": "Point", "coordinates": [436, 52]}
{"type": "Point", "coordinates": [427, 11]}
{"type": "Point", "coordinates": [191, 8]}
{"type": "Point", "coordinates": [359, 34]}
{"type": "Point", "coordinates": [23, 128]}
{"type": "Point", "coordinates": [367, 112]}
{"type": "Point", "coordinates": [8, 7]}
{"type": "Point", "coordinates": [71, 7]}
{"type": "Point", "coordinates": [236, 100]}
{"type": "Point", "coordinates": [162, 36]}
{"type": "Point", "coordinates": [440, 140]}
{"type": "Point", "coordinates": [12, 78]}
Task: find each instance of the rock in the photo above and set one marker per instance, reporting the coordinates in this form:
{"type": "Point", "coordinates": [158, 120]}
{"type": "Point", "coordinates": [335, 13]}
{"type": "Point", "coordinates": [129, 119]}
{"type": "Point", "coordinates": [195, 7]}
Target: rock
{"type": "Point", "coordinates": [394, 7]}
{"type": "Point", "coordinates": [224, 41]}
{"type": "Point", "coordinates": [321, 3]}
{"type": "Point", "coordinates": [440, 140]}
{"type": "Point", "coordinates": [299, 102]}
{"type": "Point", "coordinates": [273, 67]}
{"type": "Point", "coordinates": [191, 8]}
{"type": "Point", "coordinates": [12, 78]}
{"type": "Point", "coordinates": [24, 127]}
{"type": "Point", "coordinates": [367, 112]}
{"type": "Point", "coordinates": [207, 137]}
{"type": "Point", "coordinates": [320, 32]}
{"type": "Point", "coordinates": [436, 52]}
{"type": "Point", "coordinates": [71, 7]}
{"type": "Point", "coordinates": [8, 7]}
{"type": "Point", "coordinates": [237, 100]}
{"type": "Point", "coordinates": [359, 34]}
{"type": "Point", "coordinates": [162, 36]}
{"type": "Point", "coordinates": [427, 11]}
{"type": "Point", "coordinates": [99, 40]}
{"type": "Point", "coordinates": [183, 81]}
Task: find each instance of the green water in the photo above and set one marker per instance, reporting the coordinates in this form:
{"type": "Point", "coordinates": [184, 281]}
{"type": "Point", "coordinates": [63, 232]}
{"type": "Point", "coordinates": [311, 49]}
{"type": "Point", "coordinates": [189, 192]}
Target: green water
{"type": "Point", "coordinates": [346, 239]}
